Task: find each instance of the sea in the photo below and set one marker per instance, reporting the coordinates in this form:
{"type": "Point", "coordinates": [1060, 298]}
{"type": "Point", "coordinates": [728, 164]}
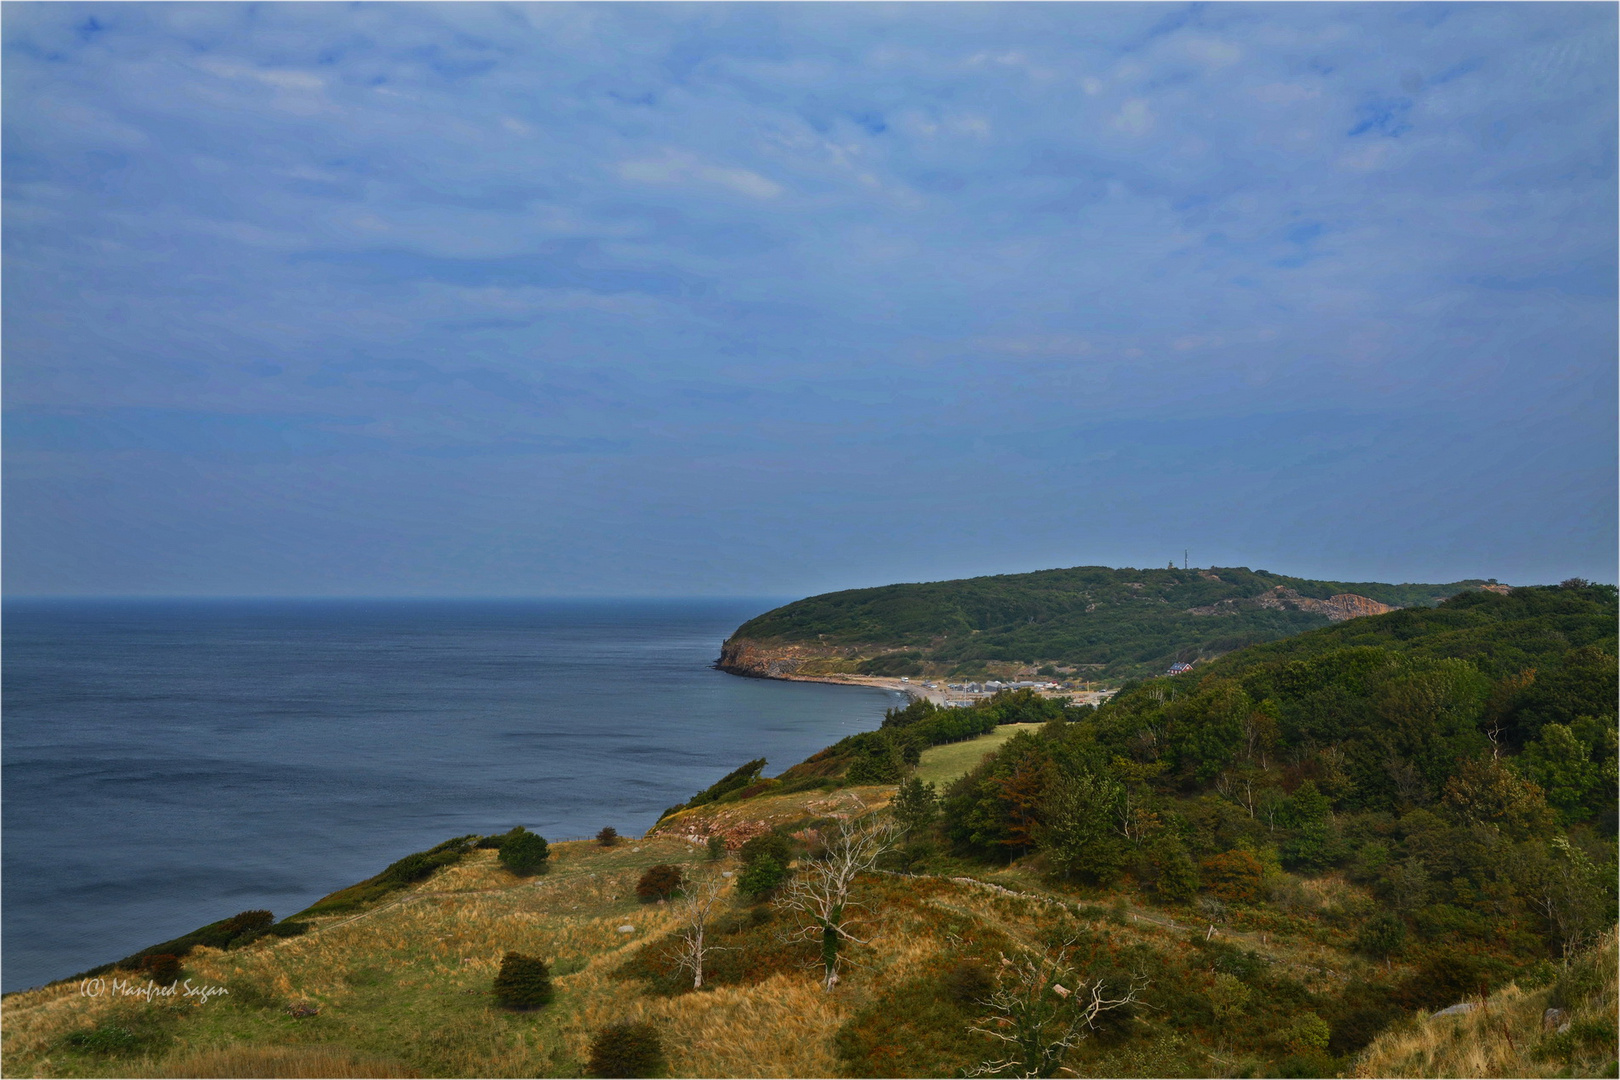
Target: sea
{"type": "Point", "coordinates": [170, 763]}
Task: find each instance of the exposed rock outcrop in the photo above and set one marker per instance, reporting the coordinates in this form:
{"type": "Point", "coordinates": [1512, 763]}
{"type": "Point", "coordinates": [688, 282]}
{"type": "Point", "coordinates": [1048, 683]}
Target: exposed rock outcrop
{"type": "Point", "coordinates": [743, 657]}
{"type": "Point", "coordinates": [1336, 608]}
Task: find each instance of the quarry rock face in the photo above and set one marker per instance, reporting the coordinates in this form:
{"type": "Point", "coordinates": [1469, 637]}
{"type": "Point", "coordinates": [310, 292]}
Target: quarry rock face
{"type": "Point", "coordinates": [1336, 608]}
{"type": "Point", "coordinates": [1349, 606]}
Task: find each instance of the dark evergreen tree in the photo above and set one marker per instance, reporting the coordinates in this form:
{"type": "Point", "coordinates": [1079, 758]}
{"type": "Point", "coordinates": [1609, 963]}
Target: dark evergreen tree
{"type": "Point", "coordinates": [627, 1050]}
{"type": "Point", "coordinates": [524, 982]}
{"type": "Point", "coordinates": [524, 852]}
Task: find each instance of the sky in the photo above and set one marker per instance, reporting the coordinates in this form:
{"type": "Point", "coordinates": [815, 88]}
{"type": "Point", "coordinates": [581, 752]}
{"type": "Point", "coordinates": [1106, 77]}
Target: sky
{"type": "Point", "coordinates": [774, 299]}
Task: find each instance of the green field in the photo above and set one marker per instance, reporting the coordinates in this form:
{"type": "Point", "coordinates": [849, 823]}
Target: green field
{"type": "Point", "coordinates": [942, 764]}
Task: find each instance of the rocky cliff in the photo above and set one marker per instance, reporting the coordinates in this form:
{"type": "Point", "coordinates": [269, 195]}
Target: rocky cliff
{"type": "Point", "coordinates": [1337, 608]}
{"type": "Point", "coordinates": [742, 657]}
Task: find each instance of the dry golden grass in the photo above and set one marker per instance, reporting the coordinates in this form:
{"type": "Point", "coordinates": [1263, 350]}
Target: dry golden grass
{"type": "Point", "coordinates": [740, 820]}
{"type": "Point", "coordinates": [1505, 1037]}
{"type": "Point", "coordinates": [405, 986]}
{"type": "Point", "coordinates": [229, 1063]}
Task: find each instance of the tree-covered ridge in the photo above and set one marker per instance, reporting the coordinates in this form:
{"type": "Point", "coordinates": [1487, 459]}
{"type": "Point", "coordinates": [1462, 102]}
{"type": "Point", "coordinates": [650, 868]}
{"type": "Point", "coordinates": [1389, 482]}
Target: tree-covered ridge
{"type": "Point", "coordinates": [1125, 621]}
{"type": "Point", "coordinates": [1457, 762]}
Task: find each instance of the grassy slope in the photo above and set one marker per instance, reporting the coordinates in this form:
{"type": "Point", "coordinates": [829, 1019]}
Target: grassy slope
{"type": "Point", "coordinates": [1508, 1036]}
{"type": "Point", "coordinates": [1128, 621]}
{"type": "Point", "coordinates": [942, 764]}
{"type": "Point", "coordinates": [403, 987]}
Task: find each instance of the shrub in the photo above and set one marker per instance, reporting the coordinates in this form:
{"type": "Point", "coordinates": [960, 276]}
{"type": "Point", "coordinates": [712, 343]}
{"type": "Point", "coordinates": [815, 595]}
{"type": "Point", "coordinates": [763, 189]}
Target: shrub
{"type": "Point", "coordinates": [659, 882]}
{"type": "Point", "coordinates": [524, 852]}
{"type": "Point", "coordinates": [162, 968]}
{"type": "Point", "coordinates": [608, 837]}
{"type": "Point", "coordinates": [968, 983]}
{"type": "Point", "coordinates": [1175, 878]}
{"type": "Point", "coordinates": [735, 780]}
{"type": "Point", "coordinates": [1382, 936]}
{"type": "Point", "coordinates": [1233, 876]}
{"type": "Point", "coordinates": [287, 928]}
{"type": "Point", "coordinates": [1306, 1034]}
{"type": "Point", "coordinates": [771, 845]}
{"type": "Point", "coordinates": [1446, 978]}
{"type": "Point", "coordinates": [717, 847]}
{"type": "Point", "coordinates": [761, 877]}
{"type": "Point", "coordinates": [247, 922]}
{"type": "Point", "coordinates": [524, 982]}
{"type": "Point", "coordinates": [396, 876]}
{"type": "Point", "coordinates": [626, 1050]}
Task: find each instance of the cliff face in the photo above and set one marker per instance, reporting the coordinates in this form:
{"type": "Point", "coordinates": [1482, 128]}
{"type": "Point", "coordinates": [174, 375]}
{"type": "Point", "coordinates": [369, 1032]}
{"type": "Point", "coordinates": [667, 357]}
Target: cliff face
{"type": "Point", "coordinates": [1336, 608]}
{"type": "Point", "coordinates": [739, 656]}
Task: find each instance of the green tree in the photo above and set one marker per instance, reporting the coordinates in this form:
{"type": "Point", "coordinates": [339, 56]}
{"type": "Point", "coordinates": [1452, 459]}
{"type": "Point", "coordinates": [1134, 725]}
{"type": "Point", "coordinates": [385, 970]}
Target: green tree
{"type": "Point", "coordinates": [1210, 729]}
{"type": "Point", "coordinates": [1562, 763]}
{"type": "Point", "coordinates": [1584, 684]}
{"type": "Point", "coordinates": [1571, 893]}
{"type": "Point", "coordinates": [1485, 792]}
{"type": "Point", "coordinates": [524, 982]}
{"type": "Point", "coordinates": [523, 852]}
{"type": "Point", "coordinates": [761, 877]}
{"type": "Point", "coordinates": [627, 1050]}
{"type": "Point", "coordinates": [1310, 815]}
{"type": "Point", "coordinates": [915, 806]}
{"type": "Point", "coordinates": [1381, 937]}
{"type": "Point", "coordinates": [771, 844]}
{"type": "Point", "coordinates": [1078, 833]}
{"type": "Point", "coordinates": [1307, 1033]}
{"type": "Point", "coordinates": [659, 882]}
{"type": "Point", "coordinates": [1177, 876]}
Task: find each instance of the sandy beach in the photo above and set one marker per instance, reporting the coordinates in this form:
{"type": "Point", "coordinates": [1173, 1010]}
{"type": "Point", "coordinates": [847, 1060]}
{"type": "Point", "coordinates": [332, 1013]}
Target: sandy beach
{"type": "Point", "coordinates": [937, 694]}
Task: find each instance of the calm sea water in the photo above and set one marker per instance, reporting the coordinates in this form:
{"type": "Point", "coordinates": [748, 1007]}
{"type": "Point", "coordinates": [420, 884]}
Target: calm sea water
{"type": "Point", "coordinates": [170, 763]}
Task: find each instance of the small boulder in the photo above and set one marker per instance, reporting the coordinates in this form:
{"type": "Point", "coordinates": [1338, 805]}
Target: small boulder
{"type": "Point", "coordinates": [1462, 1008]}
{"type": "Point", "coordinates": [1555, 1020]}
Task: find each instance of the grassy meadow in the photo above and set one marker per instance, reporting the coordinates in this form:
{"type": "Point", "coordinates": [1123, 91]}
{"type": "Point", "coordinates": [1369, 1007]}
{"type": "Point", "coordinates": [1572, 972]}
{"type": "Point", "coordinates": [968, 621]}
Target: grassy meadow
{"type": "Point", "coordinates": [942, 764]}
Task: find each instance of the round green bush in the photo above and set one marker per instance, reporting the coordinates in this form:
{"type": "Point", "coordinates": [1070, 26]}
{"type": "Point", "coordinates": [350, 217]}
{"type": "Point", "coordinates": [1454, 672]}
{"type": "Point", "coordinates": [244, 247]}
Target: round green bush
{"type": "Point", "coordinates": [773, 845]}
{"type": "Point", "coordinates": [660, 882]}
{"type": "Point", "coordinates": [608, 837]}
{"type": "Point", "coordinates": [626, 1050]}
{"type": "Point", "coordinates": [762, 877]}
{"type": "Point", "coordinates": [524, 852]}
{"type": "Point", "coordinates": [524, 982]}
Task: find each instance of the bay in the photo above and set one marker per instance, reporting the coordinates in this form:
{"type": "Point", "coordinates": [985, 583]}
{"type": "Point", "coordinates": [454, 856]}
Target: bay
{"type": "Point", "coordinates": [169, 763]}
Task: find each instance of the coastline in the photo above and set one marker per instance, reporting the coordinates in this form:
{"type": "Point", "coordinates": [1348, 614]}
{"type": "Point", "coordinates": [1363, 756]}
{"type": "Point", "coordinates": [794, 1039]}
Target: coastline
{"type": "Point", "coordinates": [915, 689]}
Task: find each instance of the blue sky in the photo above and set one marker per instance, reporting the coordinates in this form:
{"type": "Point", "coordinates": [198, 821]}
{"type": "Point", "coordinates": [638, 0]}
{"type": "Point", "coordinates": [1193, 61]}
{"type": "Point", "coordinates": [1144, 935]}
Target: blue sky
{"type": "Point", "coordinates": [775, 299]}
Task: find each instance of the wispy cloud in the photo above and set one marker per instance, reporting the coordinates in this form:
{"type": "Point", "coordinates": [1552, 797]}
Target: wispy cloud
{"type": "Point", "coordinates": [793, 234]}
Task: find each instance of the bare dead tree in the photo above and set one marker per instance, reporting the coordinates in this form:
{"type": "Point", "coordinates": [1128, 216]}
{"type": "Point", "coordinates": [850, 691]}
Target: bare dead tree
{"type": "Point", "coordinates": [819, 892]}
{"type": "Point", "coordinates": [694, 943]}
{"type": "Point", "coordinates": [1041, 1008]}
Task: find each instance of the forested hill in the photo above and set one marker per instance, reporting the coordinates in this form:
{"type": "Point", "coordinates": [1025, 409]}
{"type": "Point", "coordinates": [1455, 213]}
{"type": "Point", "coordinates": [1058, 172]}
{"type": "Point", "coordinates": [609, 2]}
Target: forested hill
{"type": "Point", "coordinates": [1088, 622]}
